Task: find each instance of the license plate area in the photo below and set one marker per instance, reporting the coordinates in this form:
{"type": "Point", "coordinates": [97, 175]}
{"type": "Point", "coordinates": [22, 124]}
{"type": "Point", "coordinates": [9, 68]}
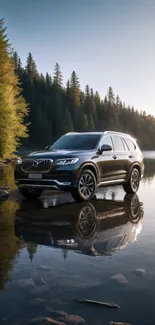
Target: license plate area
{"type": "Point", "coordinates": [35, 176]}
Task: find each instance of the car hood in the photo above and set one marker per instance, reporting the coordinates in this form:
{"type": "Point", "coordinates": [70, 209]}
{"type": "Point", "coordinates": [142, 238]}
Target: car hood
{"type": "Point", "coordinates": [55, 154]}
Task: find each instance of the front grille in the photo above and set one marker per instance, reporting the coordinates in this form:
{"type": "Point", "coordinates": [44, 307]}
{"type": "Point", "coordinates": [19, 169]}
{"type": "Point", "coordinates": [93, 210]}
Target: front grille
{"type": "Point", "coordinates": [36, 165]}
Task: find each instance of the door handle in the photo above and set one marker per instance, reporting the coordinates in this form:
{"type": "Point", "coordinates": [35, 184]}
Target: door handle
{"type": "Point", "coordinates": [115, 157]}
{"type": "Point", "coordinates": [130, 156]}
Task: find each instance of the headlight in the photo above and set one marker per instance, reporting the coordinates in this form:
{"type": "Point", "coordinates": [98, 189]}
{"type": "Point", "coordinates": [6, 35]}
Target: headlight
{"type": "Point", "coordinates": [66, 161]}
{"type": "Point", "coordinates": [19, 161]}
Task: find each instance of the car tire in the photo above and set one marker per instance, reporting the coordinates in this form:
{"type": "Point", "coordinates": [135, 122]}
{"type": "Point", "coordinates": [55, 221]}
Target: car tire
{"type": "Point", "coordinates": [86, 186]}
{"type": "Point", "coordinates": [86, 224]}
{"type": "Point", "coordinates": [132, 186]}
{"type": "Point", "coordinates": [133, 208]}
{"type": "Point", "coordinates": [31, 193]}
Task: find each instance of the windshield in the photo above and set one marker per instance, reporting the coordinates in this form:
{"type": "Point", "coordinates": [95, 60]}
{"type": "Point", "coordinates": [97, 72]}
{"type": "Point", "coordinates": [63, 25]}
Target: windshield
{"type": "Point", "coordinates": [76, 142]}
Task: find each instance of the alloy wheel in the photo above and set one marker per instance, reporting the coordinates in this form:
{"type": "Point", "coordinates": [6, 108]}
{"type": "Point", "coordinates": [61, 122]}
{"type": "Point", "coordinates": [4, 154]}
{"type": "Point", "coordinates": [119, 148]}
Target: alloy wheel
{"type": "Point", "coordinates": [135, 180]}
{"type": "Point", "coordinates": [86, 185]}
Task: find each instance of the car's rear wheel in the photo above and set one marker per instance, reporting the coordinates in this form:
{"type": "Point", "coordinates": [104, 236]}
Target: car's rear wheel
{"type": "Point", "coordinates": [132, 186]}
{"type": "Point", "coordinates": [134, 209]}
{"type": "Point", "coordinates": [86, 186]}
{"type": "Point", "coordinates": [31, 193]}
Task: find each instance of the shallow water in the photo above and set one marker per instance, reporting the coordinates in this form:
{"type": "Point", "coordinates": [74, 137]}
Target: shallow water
{"type": "Point", "coordinates": [58, 250]}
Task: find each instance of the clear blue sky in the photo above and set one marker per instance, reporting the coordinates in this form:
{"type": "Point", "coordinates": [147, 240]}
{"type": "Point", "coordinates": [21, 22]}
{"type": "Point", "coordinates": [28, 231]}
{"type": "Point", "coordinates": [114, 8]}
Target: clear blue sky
{"type": "Point", "coordinates": [107, 42]}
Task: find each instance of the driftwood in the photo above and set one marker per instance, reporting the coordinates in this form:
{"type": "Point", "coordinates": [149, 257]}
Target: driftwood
{"type": "Point", "coordinates": [118, 323]}
{"type": "Point", "coordinates": [99, 303]}
{"type": "Point", "coordinates": [43, 280]}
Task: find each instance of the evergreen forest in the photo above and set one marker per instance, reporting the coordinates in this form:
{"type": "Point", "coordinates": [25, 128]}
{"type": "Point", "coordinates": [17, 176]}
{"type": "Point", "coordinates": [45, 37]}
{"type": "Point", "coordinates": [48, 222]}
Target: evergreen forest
{"type": "Point", "coordinates": [36, 109]}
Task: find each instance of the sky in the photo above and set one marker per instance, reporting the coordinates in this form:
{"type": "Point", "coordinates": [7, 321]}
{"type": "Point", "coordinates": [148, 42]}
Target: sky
{"type": "Point", "coordinates": [107, 42]}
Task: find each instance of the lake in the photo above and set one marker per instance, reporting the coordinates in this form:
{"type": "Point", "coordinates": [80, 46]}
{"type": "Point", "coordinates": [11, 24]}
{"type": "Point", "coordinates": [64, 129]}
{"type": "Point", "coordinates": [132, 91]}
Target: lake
{"type": "Point", "coordinates": [54, 251]}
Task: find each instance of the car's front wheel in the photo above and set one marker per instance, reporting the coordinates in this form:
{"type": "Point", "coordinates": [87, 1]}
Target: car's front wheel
{"type": "Point", "coordinates": [132, 186]}
{"type": "Point", "coordinates": [31, 193]}
{"type": "Point", "coordinates": [86, 186]}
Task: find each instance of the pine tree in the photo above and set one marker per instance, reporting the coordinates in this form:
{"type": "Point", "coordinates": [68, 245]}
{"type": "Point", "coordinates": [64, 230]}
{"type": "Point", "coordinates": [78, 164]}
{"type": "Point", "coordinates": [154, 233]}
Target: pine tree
{"type": "Point", "coordinates": [117, 101]}
{"type": "Point", "coordinates": [19, 64]}
{"type": "Point", "coordinates": [48, 79]}
{"type": "Point", "coordinates": [92, 93]}
{"type": "Point", "coordinates": [13, 107]}
{"type": "Point", "coordinates": [82, 98]}
{"type": "Point", "coordinates": [31, 69]}
{"type": "Point", "coordinates": [111, 96]}
{"type": "Point", "coordinates": [87, 100]}
{"type": "Point", "coordinates": [75, 89]}
{"type": "Point", "coordinates": [87, 91]}
{"type": "Point", "coordinates": [57, 76]}
{"type": "Point", "coordinates": [68, 90]}
{"type": "Point", "coordinates": [97, 98]}
{"type": "Point", "coordinates": [15, 59]}
{"type": "Point", "coordinates": [93, 105]}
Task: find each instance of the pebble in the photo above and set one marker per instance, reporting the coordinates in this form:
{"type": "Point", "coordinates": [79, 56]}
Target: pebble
{"type": "Point", "coordinates": [139, 272]}
{"type": "Point", "coordinates": [26, 282]}
{"type": "Point", "coordinates": [45, 321]}
{"type": "Point", "coordinates": [56, 312]}
{"type": "Point", "coordinates": [120, 278]}
{"type": "Point", "coordinates": [75, 319]}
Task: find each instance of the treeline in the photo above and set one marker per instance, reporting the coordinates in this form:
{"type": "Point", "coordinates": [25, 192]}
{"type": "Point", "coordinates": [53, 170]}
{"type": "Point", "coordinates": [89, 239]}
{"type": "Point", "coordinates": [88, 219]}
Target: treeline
{"type": "Point", "coordinates": [55, 109]}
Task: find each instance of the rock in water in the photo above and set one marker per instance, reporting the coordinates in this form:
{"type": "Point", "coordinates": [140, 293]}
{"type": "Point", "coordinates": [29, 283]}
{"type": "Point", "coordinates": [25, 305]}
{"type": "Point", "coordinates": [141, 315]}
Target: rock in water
{"type": "Point", "coordinates": [45, 321]}
{"type": "Point", "coordinates": [120, 278]}
{"type": "Point", "coordinates": [139, 272]}
{"type": "Point", "coordinates": [74, 319]}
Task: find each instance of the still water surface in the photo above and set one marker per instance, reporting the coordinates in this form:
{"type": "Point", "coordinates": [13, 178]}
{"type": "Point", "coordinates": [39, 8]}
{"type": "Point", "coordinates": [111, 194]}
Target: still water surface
{"type": "Point", "coordinates": [54, 250]}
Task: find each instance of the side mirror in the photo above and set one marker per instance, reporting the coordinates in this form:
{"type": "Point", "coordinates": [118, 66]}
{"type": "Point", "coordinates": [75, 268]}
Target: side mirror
{"type": "Point", "coordinates": [105, 147]}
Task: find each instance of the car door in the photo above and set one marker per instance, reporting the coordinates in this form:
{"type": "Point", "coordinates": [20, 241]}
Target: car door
{"type": "Point", "coordinates": [120, 158]}
{"type": "Point", "coordinates": [105, 161]}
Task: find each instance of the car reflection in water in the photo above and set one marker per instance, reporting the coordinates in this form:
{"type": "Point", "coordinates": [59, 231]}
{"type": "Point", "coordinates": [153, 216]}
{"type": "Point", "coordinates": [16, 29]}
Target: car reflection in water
{"type": "Point", "coordinates": [95, 228]}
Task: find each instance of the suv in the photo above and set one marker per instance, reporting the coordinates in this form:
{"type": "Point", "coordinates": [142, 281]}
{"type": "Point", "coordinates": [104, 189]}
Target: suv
{"type": "Point", "coordinates": [81, 162]}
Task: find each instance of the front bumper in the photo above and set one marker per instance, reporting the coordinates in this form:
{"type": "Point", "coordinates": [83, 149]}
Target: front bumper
{"type": "Point", "coordinates": [58, 178]}
{"type": "Point", "coordinates": [50, 184]}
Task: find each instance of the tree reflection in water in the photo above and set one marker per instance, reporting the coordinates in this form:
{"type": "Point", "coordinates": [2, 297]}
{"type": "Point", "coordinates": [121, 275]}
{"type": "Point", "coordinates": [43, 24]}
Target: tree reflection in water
{"type": "Point", "coordinates": [9, 244]}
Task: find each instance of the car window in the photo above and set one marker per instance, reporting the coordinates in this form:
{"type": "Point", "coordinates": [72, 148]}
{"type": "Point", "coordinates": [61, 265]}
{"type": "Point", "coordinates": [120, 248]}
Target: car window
{"type": "Point", "coordinates": [130, 144]}
{"type": "Point", "coordinates": [125, 145]}
{"type": "Point", "coordinates": [106, 140]}
{"type": "Point", "coordinates": [76, 142]}
{"type": "Point", "coordinates": [118, 143]}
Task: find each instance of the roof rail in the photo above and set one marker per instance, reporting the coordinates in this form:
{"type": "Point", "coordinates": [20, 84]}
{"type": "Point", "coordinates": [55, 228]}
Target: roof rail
{"type": "Point", "coordinates": [119, 133]}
